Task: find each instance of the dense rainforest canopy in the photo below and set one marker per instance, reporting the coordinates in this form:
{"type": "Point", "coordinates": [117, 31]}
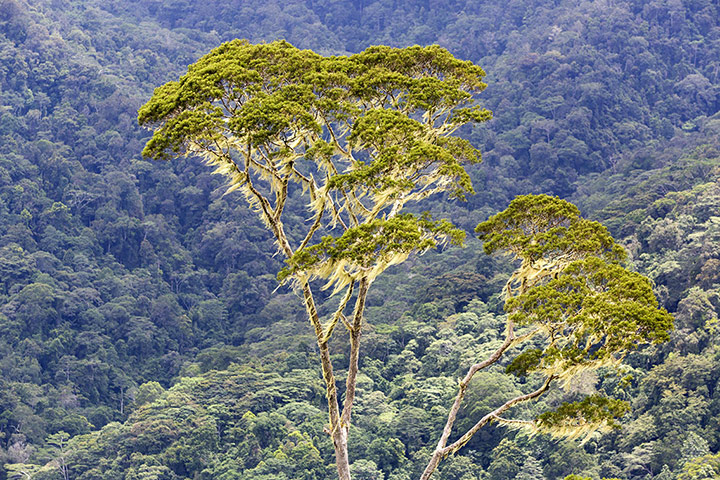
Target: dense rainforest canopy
{"type": "Point", "coordinates": [141, 333]}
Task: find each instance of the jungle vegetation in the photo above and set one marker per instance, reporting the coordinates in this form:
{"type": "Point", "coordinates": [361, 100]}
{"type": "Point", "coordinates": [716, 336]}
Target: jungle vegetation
{"type": "Point", "coordinates": [143, 331]}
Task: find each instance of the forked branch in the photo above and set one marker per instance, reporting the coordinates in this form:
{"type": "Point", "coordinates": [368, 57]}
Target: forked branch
{"type": "Point", "coordinates": [355, 332]}
{"type": "Point", "coordinates": [443, 451]}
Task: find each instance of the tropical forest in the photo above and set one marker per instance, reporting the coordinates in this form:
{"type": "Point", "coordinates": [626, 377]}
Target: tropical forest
{"type": "Point", "coordinates": [359, 239]}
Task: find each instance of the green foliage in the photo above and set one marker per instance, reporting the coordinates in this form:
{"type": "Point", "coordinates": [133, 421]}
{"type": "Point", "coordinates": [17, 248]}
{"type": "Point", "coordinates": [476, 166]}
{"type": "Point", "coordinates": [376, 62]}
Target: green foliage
{"type": "Point", "coordinates": [589, 309]}
{"type": "Point", "coordinates": [271, 92]}
{"type": "Point", "coordinates": [540, 227]}
{"type": "Point", "coordinates": [571, 458]}
{"type": "Point", "coordinates": [345, 129]}
{"type": "Point", "coordinates": [587, 90]}
{"type": "Point", "coordinates": [507, 461]}
{"type": "Point", "coordinates": [531, 470]}
{"type": "Point", "coordinates": [525, 362]}
{"type": "Point", "coordinates": [461, 468]}
{"type": "Point", "coordinates": [593, 410]}
{"type": "Point", "coordinates": [366, 470]}
{"type": "Point", "coordinates": [701, 468]}
{"type": "Point", "coordinates": [382, 242]}
{"type": "Point", "coordinates": [572, 291]}
{"type": "Point", "coordinates": [592, 312]}
{"type": "Point", "coordinates": [270, 116]}
{"type": "Point", "coordinates": [148, 393]}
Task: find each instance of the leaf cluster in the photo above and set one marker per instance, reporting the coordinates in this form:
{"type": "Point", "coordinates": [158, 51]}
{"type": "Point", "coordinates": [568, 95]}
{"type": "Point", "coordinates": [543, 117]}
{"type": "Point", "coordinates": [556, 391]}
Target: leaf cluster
{"type": "Point", "coordinates": [590, 309]}
{"type": "Point", "coordinates": [580, 305]}
{"type": "Point", "coordinates": [289, 100]}
{"type": "Point", "coordinates": [535, 227]}
{"type": "Point", "coordinates": [363, 135]}
{"type": "Point", "coordinates": [590, 412]}
{"type": "Point", "coordinates": [592, 313]}
{"type": "Point", "coordinates": [382, 241]}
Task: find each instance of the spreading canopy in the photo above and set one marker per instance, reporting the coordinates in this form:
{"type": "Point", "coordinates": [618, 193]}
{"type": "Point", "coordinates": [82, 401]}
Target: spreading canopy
{"type": "Point", "coordinates": [363, 135]}
{"type": "Point", "coordinates": [582, 307]}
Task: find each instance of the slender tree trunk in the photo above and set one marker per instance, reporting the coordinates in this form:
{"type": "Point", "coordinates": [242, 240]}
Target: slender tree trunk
{"type": "Point", "coordinates": [336, 430]}
{"type": "Point", "coordinates": [340, 439]}
{"type": "Point", "coordinates": [343, 432]}
{"type": "Point", "coordinates": [353, 367]}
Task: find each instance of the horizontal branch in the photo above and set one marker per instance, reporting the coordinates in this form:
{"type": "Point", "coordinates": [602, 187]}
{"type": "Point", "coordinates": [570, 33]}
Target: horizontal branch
{"type": "Point", "coordinates": [508, 421]}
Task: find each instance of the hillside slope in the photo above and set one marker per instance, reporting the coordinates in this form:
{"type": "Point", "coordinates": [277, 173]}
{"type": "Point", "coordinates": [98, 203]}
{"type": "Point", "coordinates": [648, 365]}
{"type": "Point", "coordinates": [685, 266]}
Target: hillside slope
{"type": "Point", "coordinates": [116, 272]}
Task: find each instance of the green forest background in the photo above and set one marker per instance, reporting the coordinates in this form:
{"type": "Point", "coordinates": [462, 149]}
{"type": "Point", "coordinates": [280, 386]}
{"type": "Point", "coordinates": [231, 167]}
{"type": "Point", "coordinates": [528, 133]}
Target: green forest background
{"type": "Point", "coordinates": [141, 332]}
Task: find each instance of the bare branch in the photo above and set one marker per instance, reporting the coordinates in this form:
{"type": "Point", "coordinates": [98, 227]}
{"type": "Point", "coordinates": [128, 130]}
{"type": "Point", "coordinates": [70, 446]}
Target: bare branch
{"type": "Point", "coordinates": [267, 210]}
{"type": "Point", "coordinates": [336, 142]}
{"type": "Point", "coordinates": [313, 229]}
{"type": "Point", "coordinates": [464, 383]}
{"type": "Point", "coordinates": [346, 323]}
{"type": "Point", "coordinates": [339, 312]}
{"type": "Point", "coordinates": [355, 332]}
{"type": "Point", "coordinates": [495, 413]}
{"type": "Point", "coordinates": [443, 451]}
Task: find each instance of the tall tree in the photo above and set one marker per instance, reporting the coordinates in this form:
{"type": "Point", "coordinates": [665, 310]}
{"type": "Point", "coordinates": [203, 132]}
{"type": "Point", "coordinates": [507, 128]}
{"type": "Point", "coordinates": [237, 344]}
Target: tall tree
{"type": "Point", "coordinates": [572, 296]}
{"type": "Point", "coordinates": [362, 136]}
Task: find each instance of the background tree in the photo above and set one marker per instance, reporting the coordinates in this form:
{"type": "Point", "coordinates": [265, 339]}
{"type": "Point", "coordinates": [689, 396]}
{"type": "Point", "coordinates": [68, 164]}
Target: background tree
{"type": "Point", "coordinates": [362, 136]}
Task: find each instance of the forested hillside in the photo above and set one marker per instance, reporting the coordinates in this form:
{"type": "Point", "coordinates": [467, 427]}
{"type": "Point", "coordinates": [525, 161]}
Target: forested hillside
{"type": "Point", "coordinates": [142, 334]}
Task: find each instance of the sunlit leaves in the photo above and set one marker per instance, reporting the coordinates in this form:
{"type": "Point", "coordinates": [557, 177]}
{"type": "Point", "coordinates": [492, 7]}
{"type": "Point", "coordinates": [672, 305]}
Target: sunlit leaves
{"type": "Point", "coordinates": [379, 128]}
{"type": "Point", "coordinates": [363, 135]}
{"type": "Point", "coordinates": [583, 308]}
{"type": "Point", "coordinates": [592, 312]}
{"type": "Point", "coordinates": [576, 419]}
{"type": "Point", "coordinates": [536, 227]}
{"type": "Point", "coordinates": [370, 248]}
